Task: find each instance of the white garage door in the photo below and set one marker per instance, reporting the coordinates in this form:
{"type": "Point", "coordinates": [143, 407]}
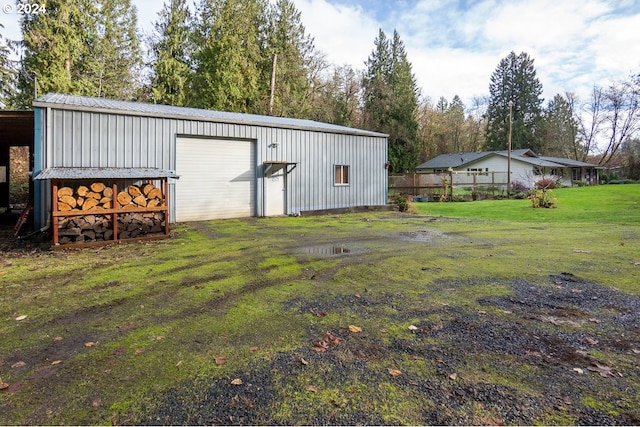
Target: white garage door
{"type": "Point", "coordinates": [217, 179]}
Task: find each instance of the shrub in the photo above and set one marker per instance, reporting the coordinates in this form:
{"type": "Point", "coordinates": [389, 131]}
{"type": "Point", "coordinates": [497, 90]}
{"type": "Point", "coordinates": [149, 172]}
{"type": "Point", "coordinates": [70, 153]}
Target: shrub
{"type": "Point", "coordinates": [543, 198]}
{"type": "Point", "coordinates": [546, 184]}
{"type": "Point", "coordinates": [519, 187]}
{"type": "Point", "coordinates": [401, 201]}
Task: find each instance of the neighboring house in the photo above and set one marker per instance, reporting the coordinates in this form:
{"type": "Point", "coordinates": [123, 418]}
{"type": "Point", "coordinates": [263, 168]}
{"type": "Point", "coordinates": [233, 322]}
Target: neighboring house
{"type": "Point", "coordinates": [526, 167]}
{"type": "Point", "coordinates": [229, 164]}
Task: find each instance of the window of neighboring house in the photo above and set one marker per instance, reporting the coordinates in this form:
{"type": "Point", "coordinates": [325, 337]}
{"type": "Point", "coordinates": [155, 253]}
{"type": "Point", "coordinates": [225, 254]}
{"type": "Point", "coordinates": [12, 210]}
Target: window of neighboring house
{"type": "Point", "coordinates": [479, 170]}
{"type": "Point", "coordinates": [341, 175]}
{"type": "Point", "coordinates": [576, 174]}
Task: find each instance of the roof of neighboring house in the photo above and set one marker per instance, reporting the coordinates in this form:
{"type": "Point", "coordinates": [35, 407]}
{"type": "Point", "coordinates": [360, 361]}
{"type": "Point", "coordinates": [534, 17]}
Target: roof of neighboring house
{"type": "Point", "coordinates": [458, 160]}
{"type": "Point", "coordinates": [569, 162]}
{"type": "Point", "coordinates": [85, 103]}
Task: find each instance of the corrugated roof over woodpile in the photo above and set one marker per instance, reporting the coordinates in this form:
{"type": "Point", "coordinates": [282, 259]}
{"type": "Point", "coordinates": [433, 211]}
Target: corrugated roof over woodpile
{"type": "Point", "coordinates": [104, 173]}
{"type": "Point", "coordinates": [85, 103]}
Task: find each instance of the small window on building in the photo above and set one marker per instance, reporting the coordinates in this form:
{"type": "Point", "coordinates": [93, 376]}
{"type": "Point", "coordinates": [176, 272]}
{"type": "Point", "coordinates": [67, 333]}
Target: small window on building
{"type": "Point", "coordinates": [477, 171]}
{"type": "Point", "coordinates": [576, 174]}
{"type": "Point", "coordinates": [342, 175]}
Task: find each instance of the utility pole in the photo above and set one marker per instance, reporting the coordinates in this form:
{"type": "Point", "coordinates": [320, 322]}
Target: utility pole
{"type": "Point", "coordinates": [273, 83]}
{"type": "Point", "coordinates": [509, 150]}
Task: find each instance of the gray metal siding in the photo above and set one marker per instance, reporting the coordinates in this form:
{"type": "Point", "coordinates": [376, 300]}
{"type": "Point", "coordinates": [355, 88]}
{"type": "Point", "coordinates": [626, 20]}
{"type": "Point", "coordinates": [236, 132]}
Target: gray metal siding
{"type": "Point", "coordinates": [99, 139]}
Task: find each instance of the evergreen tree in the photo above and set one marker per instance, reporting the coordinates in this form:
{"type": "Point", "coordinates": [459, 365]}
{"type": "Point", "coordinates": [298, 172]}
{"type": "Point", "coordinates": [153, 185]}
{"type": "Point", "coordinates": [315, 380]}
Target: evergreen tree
{"type": "Point", "coordinates": [170, 52]}
{"type": "Point", "coordinates": [456, 124]}
{"type": "Point", "coordinates": [55, 44]}
{"type": "Point", "coordinates": [559, 128]}
{"type": "Point", "coordinates": [514, 80]}
{"type": "Point", "coordinates": [293, 50]}
{"type": "Point", "coordinates": [7, 74]}
{"type": "Point", "coordinates": [227, 57]}
{"type": "Point", "coordinates": [115, 59]}
{"type": "Point", "coordinates": [80, 47]}
{"type": "Point", "coordinates": [391, 101]}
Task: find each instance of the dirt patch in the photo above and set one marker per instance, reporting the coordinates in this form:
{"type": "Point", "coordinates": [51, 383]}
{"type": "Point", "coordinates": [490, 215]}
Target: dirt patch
{"type": "Point", "coordinates": [580, 342]}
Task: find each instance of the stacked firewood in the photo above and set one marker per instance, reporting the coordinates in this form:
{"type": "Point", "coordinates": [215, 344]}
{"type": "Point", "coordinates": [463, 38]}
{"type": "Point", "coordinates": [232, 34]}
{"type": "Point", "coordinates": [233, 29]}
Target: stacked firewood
{"type": "Point", "coordinates": [135, 224]}
{"type": "Point", "coordinates": [95, 197]}
{"type": "Point", "coordinates": [146, 196]}
{"type": "Point", "coordinates": [98, 196]}
{"type": "Point", "coordinates": [93, 226]}
{"type": "Point", "coordinates": [85, 228]}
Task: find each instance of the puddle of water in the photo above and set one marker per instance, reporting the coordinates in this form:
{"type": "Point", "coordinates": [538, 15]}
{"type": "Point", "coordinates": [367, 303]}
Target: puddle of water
{"type": "Point", "coordinates": [423, 236]}
{"type": "Point", "coordinates": [328, 250]}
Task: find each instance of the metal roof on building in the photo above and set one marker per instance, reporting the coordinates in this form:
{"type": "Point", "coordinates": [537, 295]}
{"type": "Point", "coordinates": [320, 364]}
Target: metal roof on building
{"type": "Point", "coordinates": [85, 103]}
{"type": "Point", "coordinates": [104, 173]}
{"type": "Point", "coordinates": [569, 162]}
{"type": "Point", "coordinates": [456, 160]}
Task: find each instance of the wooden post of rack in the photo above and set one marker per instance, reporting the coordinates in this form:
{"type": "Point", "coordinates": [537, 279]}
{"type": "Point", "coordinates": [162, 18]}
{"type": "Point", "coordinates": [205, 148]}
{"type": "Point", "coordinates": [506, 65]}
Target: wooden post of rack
{"type": "Point", "coordinates": [165, 202]}
{"type": "Point", "coordinates": [114, 216]}
{"type": "Point", "coordinates": [54, 208]}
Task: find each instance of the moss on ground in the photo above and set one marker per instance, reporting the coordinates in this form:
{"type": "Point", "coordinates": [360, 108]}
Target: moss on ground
{"type": "Point", "coordinates": [223, 297]}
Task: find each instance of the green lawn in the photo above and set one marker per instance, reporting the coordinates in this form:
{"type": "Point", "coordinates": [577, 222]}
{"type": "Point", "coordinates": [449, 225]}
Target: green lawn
{"type": "Point", "coordinates": [605, 203]}
{"type": "Point", "coordinates": [160, 332]}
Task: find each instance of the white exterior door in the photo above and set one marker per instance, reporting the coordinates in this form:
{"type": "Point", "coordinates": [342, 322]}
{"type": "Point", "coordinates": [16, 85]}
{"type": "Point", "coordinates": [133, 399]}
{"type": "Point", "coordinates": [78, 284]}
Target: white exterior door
{"type": "Point", "coordinates": [217, 179]}
{"type": "Point", "coordinates": [275, 193]}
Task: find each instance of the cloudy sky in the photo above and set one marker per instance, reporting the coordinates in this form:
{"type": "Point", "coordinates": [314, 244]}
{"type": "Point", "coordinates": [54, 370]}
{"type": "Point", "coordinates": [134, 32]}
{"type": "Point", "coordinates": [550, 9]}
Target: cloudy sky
{"type": "Point", "coordinates": [455, 46]}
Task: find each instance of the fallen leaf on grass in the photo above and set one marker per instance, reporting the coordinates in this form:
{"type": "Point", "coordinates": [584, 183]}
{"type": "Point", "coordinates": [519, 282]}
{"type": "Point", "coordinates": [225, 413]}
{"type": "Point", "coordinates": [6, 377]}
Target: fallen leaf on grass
{"type": "Point", "coordinates": [96, 403]}
{"type": "Point", "coordinates": [127, 327]}
{"type": "Point", "coordinates": [254, 348]}
{"type": "Point", "coordinates": [236, 381]}
{"type": "Point", "coordinates": [580, 251]}
{"type": "Point", "coordinates": [590, 341]}
{"type": "Point", "coordinates": [395, 372]}
{"type": "Point", "coordinates": [579, 370]}
{"type": "Point", "coordinates": [57, 339]}
{"type": "Point", "coordinates": [304, 362]}
{"type": "Point", "coordinates": [491, 421]}
{"type": "Point", "coordinates": [24, 316]}
{"type": "Point", "coordinates": [19, 364]}
{"type": "Point", "coordinates": [220, 360]}
{"type": "Point", "coordinates": [56, 362]}
{"type": "Point", "coordinates": [138, 351]}
{"type": "Point", "coordinates": [327, 340]}
{"type": "Point", "coordinates": [636, 351]}
{"type": "Point", "coordinates": [317, 312]}
{"type": "Point", "coordinates": [89, 344]}
{"type": "Point", "coordinates": [178, 364]}
{"type": "Point", "coordinates": [312, 389]}
{"type": "Point", "coordinates": [453, 376]}
{"type": "Point", "coordinates": [3, 386]}
{"type": "Point", "coordinates": [604, 371]}
{"type": "Point", "coordinates": [413, 328]}
{"type": "Point", "coordinates": [354, 328]}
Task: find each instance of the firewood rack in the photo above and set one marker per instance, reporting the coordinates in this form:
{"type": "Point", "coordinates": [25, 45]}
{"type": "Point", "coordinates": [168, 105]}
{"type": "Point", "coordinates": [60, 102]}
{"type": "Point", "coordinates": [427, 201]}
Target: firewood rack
{"type": "Point", "coordinates": [117, 180]}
